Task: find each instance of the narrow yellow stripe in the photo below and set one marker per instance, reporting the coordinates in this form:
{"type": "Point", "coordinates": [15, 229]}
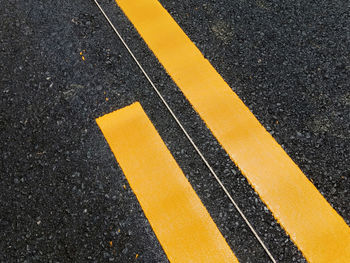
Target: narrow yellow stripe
{"type": "Point", "coordinates": [180, 221]}
{"type": "Point", "coordinates": [314, 226]}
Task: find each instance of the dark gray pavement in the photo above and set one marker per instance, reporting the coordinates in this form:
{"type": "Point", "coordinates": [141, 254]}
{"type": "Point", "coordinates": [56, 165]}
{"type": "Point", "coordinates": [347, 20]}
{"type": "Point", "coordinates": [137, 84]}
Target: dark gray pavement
{"type": "Point", "coordinates": [63, 197]}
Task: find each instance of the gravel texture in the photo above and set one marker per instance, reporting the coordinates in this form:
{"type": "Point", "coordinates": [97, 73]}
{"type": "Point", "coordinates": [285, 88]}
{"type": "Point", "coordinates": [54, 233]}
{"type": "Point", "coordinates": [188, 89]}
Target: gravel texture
{"type": "Point", "coordinates": [63, 198]}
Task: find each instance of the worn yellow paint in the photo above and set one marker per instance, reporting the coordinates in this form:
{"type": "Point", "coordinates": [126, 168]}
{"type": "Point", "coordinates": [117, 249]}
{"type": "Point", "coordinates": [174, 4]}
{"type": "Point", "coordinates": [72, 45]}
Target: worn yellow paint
{"type": "Point", "coordinates": [314, 226]}
{"type": "Point", "coordinates": [180, 221]}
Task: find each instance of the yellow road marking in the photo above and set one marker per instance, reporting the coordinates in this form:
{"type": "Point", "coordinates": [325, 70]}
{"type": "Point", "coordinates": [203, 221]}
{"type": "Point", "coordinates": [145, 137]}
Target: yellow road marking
{"type": "Point", "coordinates": [314, 226]}
{"type": "Point", "coordinates": [180, 221]}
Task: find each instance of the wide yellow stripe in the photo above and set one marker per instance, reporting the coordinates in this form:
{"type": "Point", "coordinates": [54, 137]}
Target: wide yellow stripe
{"type": "Point", "coordinates": [314, 226]}
{"type": "Point", "coordinates": [180, 221]}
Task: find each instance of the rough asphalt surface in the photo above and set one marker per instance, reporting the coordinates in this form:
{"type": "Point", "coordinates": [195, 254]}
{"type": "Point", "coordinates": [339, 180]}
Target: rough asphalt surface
{"type": "Point", "coordinates": [63, 198]}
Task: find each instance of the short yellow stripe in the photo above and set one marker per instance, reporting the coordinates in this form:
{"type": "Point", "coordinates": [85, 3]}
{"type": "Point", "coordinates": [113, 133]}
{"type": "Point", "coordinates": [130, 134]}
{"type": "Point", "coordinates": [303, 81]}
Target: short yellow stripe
{"type": "Point", "coordinates": [314, 226]}
{"type": "Point", "coordinates": [180, 221]}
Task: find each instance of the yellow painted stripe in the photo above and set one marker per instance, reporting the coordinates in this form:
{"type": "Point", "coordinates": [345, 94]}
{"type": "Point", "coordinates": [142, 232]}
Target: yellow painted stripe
{"type": "Point", "coordinates": [180, 221]}
{"type": "Point", "coordinates": [314, 226]}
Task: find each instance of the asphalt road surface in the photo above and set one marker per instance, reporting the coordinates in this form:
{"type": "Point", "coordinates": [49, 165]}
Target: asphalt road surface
{"type": "Point", "coordinates": [63, 197]}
